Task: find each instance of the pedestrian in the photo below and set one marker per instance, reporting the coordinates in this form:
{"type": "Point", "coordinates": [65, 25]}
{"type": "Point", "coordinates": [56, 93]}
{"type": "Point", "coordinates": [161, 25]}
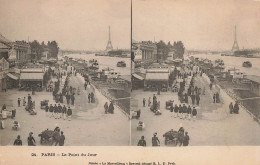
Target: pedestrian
{"type": "Point", "coordinates": [92, 99]}
{"type": "Point", "coordinates": [85, 85]}
{"type": "Point", "coordinates": [59, 111]}
{"type": "Point", "coordinates": [214, 98]}
{"type": "Point", "coordinates": [62, 139]}
{"type": "Point", "coordinates": [217, 98]}
{"type": "Point", "coordinates": [64, 112]}
{"type": "Point", "coordinates": [142, 142]}
{"type": "Point", "coordinates": [69, 113]}
{"type": "Point", "coordinates": [171, 109]}
{"type": "Point", "coordinates": [19, 102]}
{"type": "Point", "coordinates": [231, 108]}
{"type": "Point", "coordinates": [46, 110]}
{"type": "Point", "coordinates": [155, 140]}
{"type": "Point", "coordinates": [51, 111]}
{"type": "Point", "coordinates": [189, 112]}
{"type": "Point", "coordinates": [111, 108]}
{"type": "Point", "coordinates": [106, 107]}
{"type": "Point", "coordinates": [68, 98]}
{"type": "Point", "coordinates": [18, 141]}
{"type": "Point", "coordinates": [236, 108]}
{"type": "Point", "coordinates": [154, 99]}
{"type": "Point", "coordinates": [89, 98]}
{"type": "Point", "coordinates": [24, 102]}
{"type": "Point", "coordinates": [184, 111]}
{"type": "Point", "coordinates": [143, 102]}
{"type": "Point", "coordinates": [193, 99]}
{"type": "Point", "coordinates": [72, 99]}
{"type": "Point", "coordinates": [55, 110]}
{"type": "Point", "coordinates": [194, 113]}
{"type": "Point", "coordinates": [198, 99]}
{"type": "Point", "coordinates": [180, 111]}
{"type": "Point", "coordinates": [29, 98]}
{"type": "Point", "coordinates": [186, 98]}
{"type": "Point", "coordinates": [186, 139]}
{"type": "Point", "coordinates": [13, 113]}
{"type": "Point", "coordinates": [149, 101]}
{"type": "Point", "coordinates": [61, 98]}
{"type": "Point", "coordinates": [210, 86]}
{"type": "Point", "coordinates": [176, 110]}
{"type": "Point", "coordinates": [31, 140]}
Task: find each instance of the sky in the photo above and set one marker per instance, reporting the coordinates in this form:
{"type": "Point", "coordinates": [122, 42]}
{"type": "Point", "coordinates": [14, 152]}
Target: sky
{"type": "Point", "coordinates": [200, 24]}
{"type": "Point", "coordinates": [74, 24]}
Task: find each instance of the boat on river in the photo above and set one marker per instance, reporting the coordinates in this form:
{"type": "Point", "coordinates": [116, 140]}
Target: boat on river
{"type": "Point", "coordinates": [121, 64]}
{"type": "Point", "coordinates": [247, 64]}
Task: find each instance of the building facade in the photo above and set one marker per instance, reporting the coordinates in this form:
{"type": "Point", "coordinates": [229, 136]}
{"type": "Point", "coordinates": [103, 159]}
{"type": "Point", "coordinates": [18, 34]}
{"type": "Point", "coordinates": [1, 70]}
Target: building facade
{"type": "Point", "coordinates": [20, 52]}
{"type": "Point", "coordinates": [145, 53]}
{"type": "Point", "coordinates": [4, 70]}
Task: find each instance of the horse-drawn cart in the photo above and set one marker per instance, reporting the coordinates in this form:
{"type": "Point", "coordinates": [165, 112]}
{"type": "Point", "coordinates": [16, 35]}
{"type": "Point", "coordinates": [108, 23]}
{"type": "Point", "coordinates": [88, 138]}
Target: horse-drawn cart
{"type": "Point", "coordinates": [47, 137]}
{"type": "Point", "coordinates": [173, 138]}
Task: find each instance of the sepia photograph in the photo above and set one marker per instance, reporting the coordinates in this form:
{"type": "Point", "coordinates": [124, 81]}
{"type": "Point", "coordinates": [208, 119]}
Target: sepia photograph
{"type": "Point", "coordinates": [65, 72]}
{"type": "Point", "coordinates": [129, 82]}
{"type": "Point", "coordinates": [195, 73]}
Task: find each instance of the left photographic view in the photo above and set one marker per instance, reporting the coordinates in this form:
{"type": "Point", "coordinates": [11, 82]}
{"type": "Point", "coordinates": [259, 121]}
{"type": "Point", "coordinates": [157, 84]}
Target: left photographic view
{"type": "Point", "coordinates": [65, 73]}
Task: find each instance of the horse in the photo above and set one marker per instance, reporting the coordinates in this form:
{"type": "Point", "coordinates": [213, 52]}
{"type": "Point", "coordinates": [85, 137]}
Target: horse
{"type": "Point", "coordinates": [174, 138]}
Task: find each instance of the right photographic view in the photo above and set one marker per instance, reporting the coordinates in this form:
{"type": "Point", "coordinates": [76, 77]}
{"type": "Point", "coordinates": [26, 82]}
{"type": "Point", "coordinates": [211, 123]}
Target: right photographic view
{"type": "Point", "coordinates": [195, 73]}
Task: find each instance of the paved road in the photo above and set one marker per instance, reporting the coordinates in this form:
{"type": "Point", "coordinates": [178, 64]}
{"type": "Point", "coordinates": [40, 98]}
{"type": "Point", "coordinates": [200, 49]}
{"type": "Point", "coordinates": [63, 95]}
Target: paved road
{"type": "Point", "coordinates": [214, 125]}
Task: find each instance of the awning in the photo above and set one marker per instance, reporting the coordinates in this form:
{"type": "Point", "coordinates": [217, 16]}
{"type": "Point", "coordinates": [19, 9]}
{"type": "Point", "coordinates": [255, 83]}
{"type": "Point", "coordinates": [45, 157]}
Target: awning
{"type": "Point", "coordinates": [157, 76]}
{"type": "Point", "coordinates": [12, 76]}
{"type": "Point", "coordinates": [31, 76]}
{"type": "Point", "coordinates": [137, 76]}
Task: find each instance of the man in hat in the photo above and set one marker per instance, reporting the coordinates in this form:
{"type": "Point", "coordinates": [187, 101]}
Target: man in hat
{"type": "Point", "coordinates": [31, 140]}
{"type": "Point", "coordinates": [51, 111]}
{"type": "Point", "coordinates": [19, 102]}
{"type": "Point", "coordinates": [231, 107]}
{"type": "Point", "coordinates": [55, 110]}
{"type": "Point", "coordinates": [189, 112]}
{"type": "Point", "coordinates": [194, 113]}
{"type": "Point", "coordinates": [180, 111]}
{"type": "Point", "coordinates": [69, 113]}
{"type": "Point", "coordinates": [62, 139]}
{"type": "Point", "coordinates": [24, 102]}
{"type": "Point", "coordinates": [46, 110]}
{"type": "Point", "coordinates": [176, 110]}
{"type": "Point", "coordinates": [184, 111]}
{"type": "Point", "coordinates": [141, 142]}
{"type": "Point", "coordinates": [186, 139]}
{"type": "Point", "coordinates": [155, 140]}
{"type": "Point", "coordinates": [59, 111]}
{"type": "Point", "coordinates": [64, 111]}
{"type": "Point", "coordinates": [18, 141]}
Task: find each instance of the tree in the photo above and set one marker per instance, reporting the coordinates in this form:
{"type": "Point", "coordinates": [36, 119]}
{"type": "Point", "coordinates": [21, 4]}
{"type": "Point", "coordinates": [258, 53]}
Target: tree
{"type": "Point", "coordinates": [54, 49]}
{"type": "Point", "coordinates": [178, 49]}
{"type": "Point", "coordinates": [35, 49]}
{"type": "Point", "coordinates": [162, 50]}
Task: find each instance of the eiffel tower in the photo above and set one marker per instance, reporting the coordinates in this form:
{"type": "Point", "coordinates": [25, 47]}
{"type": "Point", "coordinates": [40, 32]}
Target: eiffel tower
{"type": "Point", "coordinates": [235, 44]}
{"type": "Point", "coordinates": [109, 43]}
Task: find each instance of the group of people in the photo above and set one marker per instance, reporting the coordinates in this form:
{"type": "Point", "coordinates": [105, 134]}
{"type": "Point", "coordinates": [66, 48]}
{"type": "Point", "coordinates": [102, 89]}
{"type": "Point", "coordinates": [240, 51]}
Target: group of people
{"type": "Point", "coordinates": [183, 112]}
{"type": "Point", "coordinates": [216, 98]}
{"type": "Point", "coordinates": [58, 111]}
{"type": "Point", "coordinates": [58, 138]}
{"type": "Point", "coordinates": [234, 108]}
{"type": "Point", "coordinates": [156, 142]}
{"type": "Point", "coordinates": [110, 108]}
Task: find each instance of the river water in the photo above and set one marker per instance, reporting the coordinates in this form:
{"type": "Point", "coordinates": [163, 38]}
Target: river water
{"type": "Point", "coordinates": [106, 61]}
{"type": "Point", "coordinates": [234, 62]}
